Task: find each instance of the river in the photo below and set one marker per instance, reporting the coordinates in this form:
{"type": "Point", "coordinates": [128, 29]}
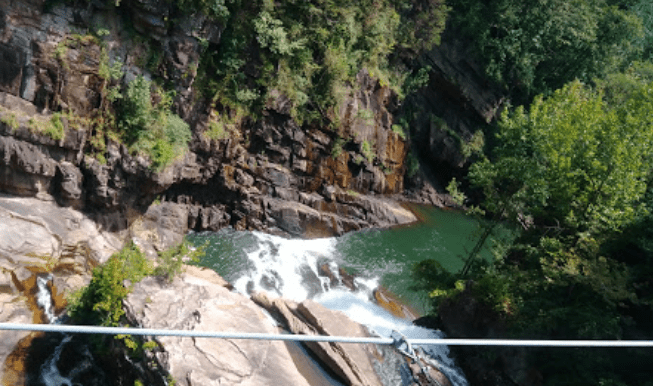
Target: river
{"type": "Point", "coordinates": [294, 268]}
{"type": "Point", "coordinates": [297, 269]}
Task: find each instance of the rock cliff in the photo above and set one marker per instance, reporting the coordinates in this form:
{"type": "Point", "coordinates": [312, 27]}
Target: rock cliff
{"type": "Point", "coordinates": [269, 172]}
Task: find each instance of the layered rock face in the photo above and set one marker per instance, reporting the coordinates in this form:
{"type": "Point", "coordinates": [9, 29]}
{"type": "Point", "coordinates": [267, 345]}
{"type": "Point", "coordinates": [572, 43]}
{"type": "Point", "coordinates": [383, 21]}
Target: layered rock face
{"type": "Point", "coordinates": [457, 104]}
{"type": "Point", "coordinates": [269, 174]}
{"type": "Point", "coordinates": [40, 241]}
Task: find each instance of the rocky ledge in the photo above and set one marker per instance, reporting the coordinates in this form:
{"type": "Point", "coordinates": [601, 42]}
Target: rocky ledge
{"type": "Point", "coordinates": [200, 301]}
{"type": "Point", "coordinates": [41, 242]}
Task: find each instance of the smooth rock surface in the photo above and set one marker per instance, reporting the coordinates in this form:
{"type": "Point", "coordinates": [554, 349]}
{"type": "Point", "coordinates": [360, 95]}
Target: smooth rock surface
{"type": "Point", "coordinates": [350, 362]}
{"type": "Point", "coordinates": [40, 238]}
{"type": "Point", "coordinates": [201, 302]}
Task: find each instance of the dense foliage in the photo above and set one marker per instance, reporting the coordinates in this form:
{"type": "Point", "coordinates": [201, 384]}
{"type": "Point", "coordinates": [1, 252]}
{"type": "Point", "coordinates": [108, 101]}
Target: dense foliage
{"type": "Point", "coordinates": [100, 303]}
{"type": "Point", "coordinates": [536, 46]}
{"type": "Point", "coordinates": [573, 172]}
{"type": "Point", "coordinates": [153, 130]}
{"type": "Point", "coordinates": [572, 160]}
{"type": "Point", "coordinates": [311, 51]}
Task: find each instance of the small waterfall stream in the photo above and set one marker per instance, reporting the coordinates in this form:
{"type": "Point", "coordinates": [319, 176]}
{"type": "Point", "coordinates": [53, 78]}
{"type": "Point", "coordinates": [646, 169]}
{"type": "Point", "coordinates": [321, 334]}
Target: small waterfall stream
{"type": "Point", "coordinates": [71, 362]}
{"type": "Point", "coordinates": [294, 269]}
{"type": "Point", "coordinates": [44, 298]}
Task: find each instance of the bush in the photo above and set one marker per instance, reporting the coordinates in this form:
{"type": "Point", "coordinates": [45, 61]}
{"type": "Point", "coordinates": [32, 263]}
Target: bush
{"type": "Point", "coordinates": [10, 120]}
{"type": "Point", "coordinates": [136, 110]}
{"type": "Point", "coordinates": [171, 261]}
{"type": "Point", "coordinates": [100, 303]}
{"type": "Point", "coordinates": [153, 130]}
{"type": "Point", "coordinates": [336, 150]}
{"type": "Point", "coordinates": [367, 151]}
{"type": "Point", "coordinates": [55, 129]}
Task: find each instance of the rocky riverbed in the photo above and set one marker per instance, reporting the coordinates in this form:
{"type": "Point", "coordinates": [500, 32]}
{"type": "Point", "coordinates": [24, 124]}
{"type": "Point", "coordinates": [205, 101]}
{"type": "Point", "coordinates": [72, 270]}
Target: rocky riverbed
{"type": "Point", "coordinates": [59, 246]}
{"type": "Point", "coordinates": [71, 199]}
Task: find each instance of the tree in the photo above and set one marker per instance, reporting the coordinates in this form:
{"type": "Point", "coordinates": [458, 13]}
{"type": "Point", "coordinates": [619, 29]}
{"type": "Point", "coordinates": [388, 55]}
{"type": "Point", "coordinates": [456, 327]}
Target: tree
{"type": "Point", "coordinates": [572, 160]}
{"type": "Point", "coordinates": [536, 46]}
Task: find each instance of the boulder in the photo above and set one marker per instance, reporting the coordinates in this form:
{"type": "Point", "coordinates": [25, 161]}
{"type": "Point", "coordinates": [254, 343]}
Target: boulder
{"type": "Point", "coordinates": [202, 302]}
{"type": "Point", "coordinates": [351, 363]}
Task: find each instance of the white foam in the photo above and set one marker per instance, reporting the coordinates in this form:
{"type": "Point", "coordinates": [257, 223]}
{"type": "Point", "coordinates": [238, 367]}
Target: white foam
{"type": "Point", "coordinates": [44, 298]}
{"type": "Point", "coordinates": [50, 375]}
{"type": "Point", "coordinates": [282, 265]}
{"type": "Point", "coordinates": [359, 308]}
{"type": "Point", "coordinates": [289, 268]}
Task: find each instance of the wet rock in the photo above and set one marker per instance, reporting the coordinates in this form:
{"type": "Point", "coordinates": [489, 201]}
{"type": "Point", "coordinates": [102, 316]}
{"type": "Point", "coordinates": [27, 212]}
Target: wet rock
{"type": "Point", "coordinates": [13, 310]}
{"type": "Point", "coordinates": [201, 302]}
{"type": "Point", "coordinates": [392, 304]}
{"type": "Point", "coordinates": [342, 278]}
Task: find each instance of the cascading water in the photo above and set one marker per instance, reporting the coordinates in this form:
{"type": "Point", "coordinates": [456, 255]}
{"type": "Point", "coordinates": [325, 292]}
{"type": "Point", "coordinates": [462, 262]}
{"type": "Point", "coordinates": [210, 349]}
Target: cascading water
{"type": "Point", "coordinates": [44, 298]}
{"type": "Point", "coordinates": [82, 365]}
{"type": "Point", "coordinates": [294, 269]}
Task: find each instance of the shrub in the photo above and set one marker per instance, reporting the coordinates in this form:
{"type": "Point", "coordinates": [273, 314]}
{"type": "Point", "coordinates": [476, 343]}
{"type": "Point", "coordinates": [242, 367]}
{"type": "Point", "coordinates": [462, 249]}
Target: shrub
{"type": "Point", "coordinates": [101, 301]}
{"type": "Point", "coordinates": [216, 131]}
{"type": "Point", "coordinates": [136, 109]}
{"type": "Point", "coordinates": [153, 130]}
{"type": "Point", "coordinates": [336, 150]}
{"type": "Point", "coordinates": [55, 129]}
{"type": "Point", "coordinates": [171, 261]}
{"type": "Point", "coordinates": [413, 164]}
{"type": "Point", "coordinates": [10, 120]}
{"type": "Point", "coordinates": [399, 130]}
{"type": "Point", "coordinates": [367, 151]}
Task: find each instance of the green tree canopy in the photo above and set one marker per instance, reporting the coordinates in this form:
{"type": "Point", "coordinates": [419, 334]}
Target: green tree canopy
{"type": "Point", "coordinates": [572, 160]}
{"type": "Point", "coordinates": [535, 46]}
{"type": "Point", "coordinates": [311, 51]}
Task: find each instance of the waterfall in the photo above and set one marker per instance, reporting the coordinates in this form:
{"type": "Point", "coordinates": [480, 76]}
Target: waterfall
{"type": "Point", "coordinates": [44, 298]}
{"type": "Point", "coordinates": [293, 269]}
{"type": "Point", "coordinates": [83, 363]}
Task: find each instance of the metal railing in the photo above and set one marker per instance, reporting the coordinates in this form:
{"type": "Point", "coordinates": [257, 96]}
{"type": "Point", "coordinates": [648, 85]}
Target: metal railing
{"type": "Point", "coordinates": [70, 329]}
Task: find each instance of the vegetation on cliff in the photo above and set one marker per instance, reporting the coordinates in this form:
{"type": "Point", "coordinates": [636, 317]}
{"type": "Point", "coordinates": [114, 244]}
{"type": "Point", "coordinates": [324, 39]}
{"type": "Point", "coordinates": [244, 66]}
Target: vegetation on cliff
{"type": "Point", "coordinates": [100, 303]}
{"type": "Point", "coordinates": [304, 54]}
{"type": "Point", "coordinates": [532, 47]}
{"type": "Point", "coordinates": [310, 52]}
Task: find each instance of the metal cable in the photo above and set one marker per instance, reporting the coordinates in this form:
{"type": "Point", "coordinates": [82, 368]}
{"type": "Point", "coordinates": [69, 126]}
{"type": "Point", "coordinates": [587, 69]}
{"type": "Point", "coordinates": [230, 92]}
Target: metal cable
{"type": "Point", "coordinates": [320, 338]}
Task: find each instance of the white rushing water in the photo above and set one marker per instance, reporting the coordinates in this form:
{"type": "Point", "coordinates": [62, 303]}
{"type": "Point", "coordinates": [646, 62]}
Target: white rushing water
{"type": "Point", "coordinates": [44, 298]}
{"type": "Point", "coordinates": [50, 374]}
{"type": "Point", "coordinates": [291, 269]}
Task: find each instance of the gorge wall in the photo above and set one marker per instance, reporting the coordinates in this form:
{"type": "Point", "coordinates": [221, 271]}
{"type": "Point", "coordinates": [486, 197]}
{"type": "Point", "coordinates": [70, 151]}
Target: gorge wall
{"type": "Point", "coordinates": [267, 172]}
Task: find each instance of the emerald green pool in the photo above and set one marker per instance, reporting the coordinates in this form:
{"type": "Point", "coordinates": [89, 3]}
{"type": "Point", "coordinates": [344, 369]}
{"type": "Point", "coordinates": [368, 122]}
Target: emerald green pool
{"type": "Point", "coordinates": [382, 256]}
